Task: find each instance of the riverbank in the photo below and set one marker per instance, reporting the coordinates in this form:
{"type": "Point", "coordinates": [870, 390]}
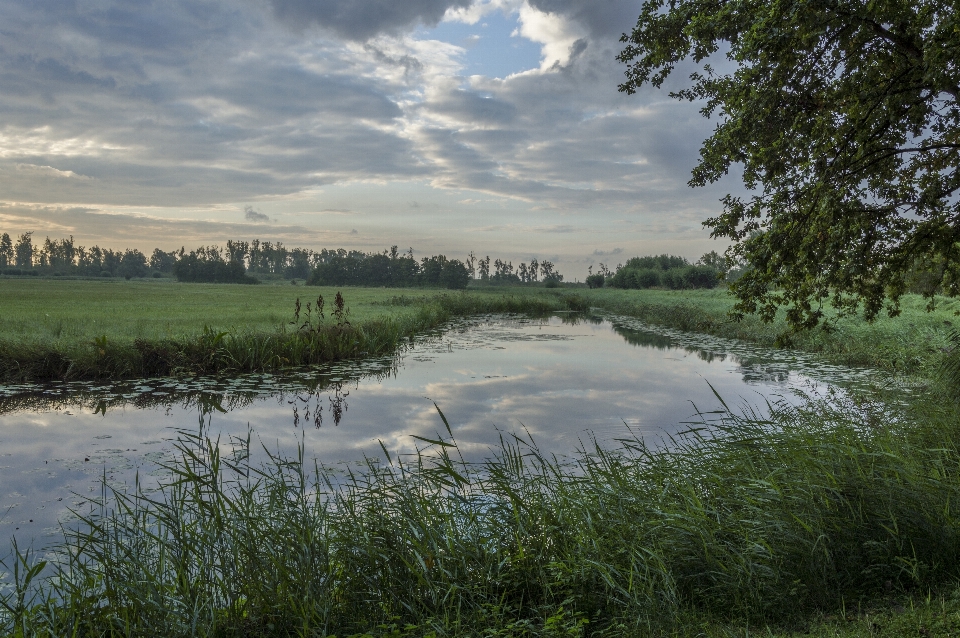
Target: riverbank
{"type": "Point", "coordinates": [58, 330]}
{"type": "Point", "coordinates": [824, 520]}
{"type": "Point", "coordinates": [827, 519]}
{"type": "Point", "coordinates": [88, 329]}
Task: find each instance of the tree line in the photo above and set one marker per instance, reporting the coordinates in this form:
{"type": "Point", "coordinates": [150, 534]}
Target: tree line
{"type": "Point", "coordinates": [240, 259]}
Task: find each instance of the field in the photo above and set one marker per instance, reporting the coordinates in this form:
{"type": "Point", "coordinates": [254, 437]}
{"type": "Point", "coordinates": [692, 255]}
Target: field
{"type": "Point", "coordinates": [49, 323]}
{"type": "Point", "coordinates": [822, 520]}
{"type": "Point", "coordinates": [81, 310]}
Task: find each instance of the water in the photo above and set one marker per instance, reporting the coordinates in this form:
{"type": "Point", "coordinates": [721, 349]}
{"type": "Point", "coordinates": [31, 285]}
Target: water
{"type": "Point", "coordinates": [561, 382]}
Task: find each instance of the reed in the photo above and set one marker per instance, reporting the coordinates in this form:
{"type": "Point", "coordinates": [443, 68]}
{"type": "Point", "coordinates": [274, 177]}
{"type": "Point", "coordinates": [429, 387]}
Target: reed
{"type": "Point", "coordinates": [312, 339]}
{"type": "Point", "coordinates": [742, 521]}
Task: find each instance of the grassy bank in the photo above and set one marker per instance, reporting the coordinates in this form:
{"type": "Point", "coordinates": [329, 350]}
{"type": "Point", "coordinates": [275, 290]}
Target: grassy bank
{"type": "Point", "coordinates": [913, 343]}
{"type": "Point", "coordinates": [824, 519]}
{"type": "Point", "coordinates": [92, 329]}
{"type": "Point", "coordinates": [823, 507]}
{"type": "Point", "coordinates": [109, 329]}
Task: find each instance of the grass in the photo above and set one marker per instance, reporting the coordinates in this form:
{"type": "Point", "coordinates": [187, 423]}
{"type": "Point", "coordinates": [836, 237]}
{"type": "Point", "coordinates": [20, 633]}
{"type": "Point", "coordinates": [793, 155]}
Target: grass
{"type": "Point", "coordinates": [81, 310]}
{"type": "Point", "coordinates": [912, 343]}
{"type": "Point", "coordinates": [52, 328]}
{"type": "Point", "coordinates": [822, 507]}
{"type": "Point", "coordinates": [93, 329]}
{"type": "Point", "coordinates": [828, 519]}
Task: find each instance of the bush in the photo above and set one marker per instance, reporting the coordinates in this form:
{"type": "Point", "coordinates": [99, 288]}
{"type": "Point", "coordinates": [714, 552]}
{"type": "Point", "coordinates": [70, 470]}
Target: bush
{"type": "Point", "coordinates": [672, 279]}
{"type": "Point", "coordinates": [595, 281]}
{"type": "Point", "coordinates": [646, 278]}
{"type": "Point", "coordinates": [700, 277]}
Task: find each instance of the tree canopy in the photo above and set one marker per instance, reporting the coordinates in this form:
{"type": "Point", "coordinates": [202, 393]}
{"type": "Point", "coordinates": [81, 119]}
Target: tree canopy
{"type": "Point", "coordinates": [844, 117]}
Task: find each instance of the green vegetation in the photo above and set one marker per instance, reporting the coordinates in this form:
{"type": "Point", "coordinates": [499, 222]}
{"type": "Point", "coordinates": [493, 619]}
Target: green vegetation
{"type": "Point", "coordinates": [826, 519]}
{"type": "Point", "coordinates": [209, 266]}
{"type": "Point", "coordinates": [664, 271]}
{"type": "Point", "coordinates": [389, 269]}
{"type": "Point", "coordinates": [849, 190]}
{"type": "Point", "coordinates": [914, 343]}
{"type": "Point", "coordinates": [822, 507]}
{"type": "Point", "coordinates": [109, 329]}
{"type": "Point", "coordinates": [53, 328]}
{"type": "Point", "coordinates": [266, 261]}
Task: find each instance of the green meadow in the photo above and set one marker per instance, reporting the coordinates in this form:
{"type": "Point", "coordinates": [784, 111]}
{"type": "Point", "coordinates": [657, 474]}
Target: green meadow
{"type": "Point", "coordinates": [50, 323]}
{"type": "Point", "coordinates": [832, 518]}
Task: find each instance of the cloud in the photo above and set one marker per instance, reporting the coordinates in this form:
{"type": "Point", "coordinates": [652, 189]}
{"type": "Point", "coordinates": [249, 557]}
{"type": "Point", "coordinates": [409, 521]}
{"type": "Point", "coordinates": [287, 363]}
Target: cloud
{"type": "Point", "coordinates": [179, 107]}
{"type": "Point", "coordinates": [605, 253]}
{"type": "Point", "coordinates": [147, 231]}
{"type": "Point", "coordinates": [364, 19]}
{"type": "Point", "coordinates": [253, 216]}
{"type": "Point", "coordinates": [49, 171]}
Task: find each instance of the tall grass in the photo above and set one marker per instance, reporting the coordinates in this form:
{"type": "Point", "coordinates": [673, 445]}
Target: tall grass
{"type": "Point", "coordinates": [291, 343]}
{"type": "Point", "coordinates": [746, 518]}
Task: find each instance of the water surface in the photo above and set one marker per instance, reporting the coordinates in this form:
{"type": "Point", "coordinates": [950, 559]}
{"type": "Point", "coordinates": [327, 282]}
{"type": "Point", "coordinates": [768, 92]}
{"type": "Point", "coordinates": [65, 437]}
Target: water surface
{"type": "Point", "coordinates": [560, 382]}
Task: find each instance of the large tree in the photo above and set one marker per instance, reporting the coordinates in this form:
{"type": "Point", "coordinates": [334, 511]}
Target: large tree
{"type": "Point", "coordinates": [843, 115]}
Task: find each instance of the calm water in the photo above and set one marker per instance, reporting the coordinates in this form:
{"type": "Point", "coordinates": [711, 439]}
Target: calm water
{"type": "Point", "coordinates": [560, 381]}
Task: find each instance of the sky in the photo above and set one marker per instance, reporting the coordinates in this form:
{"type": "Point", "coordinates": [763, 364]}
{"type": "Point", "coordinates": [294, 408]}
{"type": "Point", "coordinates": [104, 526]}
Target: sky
{"type": "Point", "coordinates": [446, 126]}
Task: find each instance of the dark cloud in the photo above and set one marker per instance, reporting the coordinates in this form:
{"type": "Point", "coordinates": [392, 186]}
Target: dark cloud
{"type": "Point", "coordinates": [605, 253]}
{"type": "Point", "coordinates": [601, 17]}
{"type": "Point", "coordinates": [363, 19]}
{"type": "Point", "coordinates": [253, 216]}
{"type": "Point", "coordinates": [468, 106]}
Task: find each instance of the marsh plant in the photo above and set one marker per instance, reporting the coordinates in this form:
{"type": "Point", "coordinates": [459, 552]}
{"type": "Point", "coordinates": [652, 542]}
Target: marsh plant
{"type": "Point", "coordinates": [313, 337]}
{"type": "Point", "coordinates": [742, 517]}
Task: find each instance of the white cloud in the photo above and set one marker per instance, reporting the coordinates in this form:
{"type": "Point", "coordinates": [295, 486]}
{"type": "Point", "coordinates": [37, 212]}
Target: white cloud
{"type": "Point", "coordinates": [182, 106]}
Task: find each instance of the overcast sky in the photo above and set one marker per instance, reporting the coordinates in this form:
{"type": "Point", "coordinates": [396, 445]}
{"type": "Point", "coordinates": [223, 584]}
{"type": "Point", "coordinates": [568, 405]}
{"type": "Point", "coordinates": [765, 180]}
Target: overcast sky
{"type": "Point", "coordinates": [442, 125]}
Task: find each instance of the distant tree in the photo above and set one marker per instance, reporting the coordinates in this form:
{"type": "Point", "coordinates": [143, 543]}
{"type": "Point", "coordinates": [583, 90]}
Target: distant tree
{"type": "Point", "coordinates": [23, 251]}
{"type": "Point", "coordinates": [6, 251]}
{"type": "Point", "coordinates": [206, 264]}
{"type": "Point", "coordinates": [657, 262]}
{"type": "Point", "coordinates": [595, 281]}
{"type": "Point", "coordinates": [667, 271]}
{"type": "Point", "coordinates": [111, 261]}
{"type": "Point", "coordinates": [299, 264]}
{"type": "Point", "coordinates": [133, 263]}
{"type": "Point", "coordinates": [163, 261]}
{"type": "Point", "coordinates": [238, 250]}
{"type": "Point", "coordinates": [454, 275]}
{"type": "Point", "coordinates": [484, 268]}
{"type": "Point", "coordinates": [548, 272]}
{"type": "Point", "coordinates": [471, 264]}
{"type": "Point", "coordinates": [58, 254]}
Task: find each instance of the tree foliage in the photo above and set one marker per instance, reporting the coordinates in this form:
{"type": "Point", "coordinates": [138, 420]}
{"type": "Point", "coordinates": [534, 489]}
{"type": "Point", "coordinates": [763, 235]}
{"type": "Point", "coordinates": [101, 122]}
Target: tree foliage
{"type": "Point", "coordinates": [844, 117]}
{"type": "Point", "coordinates": [663, 271]}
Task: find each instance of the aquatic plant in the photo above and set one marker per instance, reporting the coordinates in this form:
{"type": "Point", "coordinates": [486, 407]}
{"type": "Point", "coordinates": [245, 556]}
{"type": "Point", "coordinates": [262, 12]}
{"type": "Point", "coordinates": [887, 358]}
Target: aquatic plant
{"type": "Point", "coordinates": [741, 518]}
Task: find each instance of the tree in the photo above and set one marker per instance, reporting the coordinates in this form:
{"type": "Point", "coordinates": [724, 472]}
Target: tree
{"type": "Point", "coordinates": [844, 118]}
{"type": "Point", "coordinates": [6, 250]}
{"type": "Point", "coordinates": [162, 261]}
{"type": "Point", "coordinates": [133, 263]}
{"type": "Point", "coordinates": [23, 251]}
